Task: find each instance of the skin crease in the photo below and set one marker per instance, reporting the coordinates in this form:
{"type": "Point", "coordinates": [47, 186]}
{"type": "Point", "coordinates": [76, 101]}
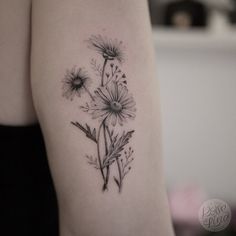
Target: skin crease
{"type": "Point", "coordinates": [59, 31]}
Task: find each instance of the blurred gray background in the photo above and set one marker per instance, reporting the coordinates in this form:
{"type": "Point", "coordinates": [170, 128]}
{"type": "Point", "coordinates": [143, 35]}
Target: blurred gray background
{"type": "Point", "coordinates": [196, 67]}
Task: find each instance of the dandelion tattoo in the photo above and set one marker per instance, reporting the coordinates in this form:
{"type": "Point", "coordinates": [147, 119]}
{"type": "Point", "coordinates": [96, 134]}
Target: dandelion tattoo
{"type": "Point", "coordinates": [110, 104]}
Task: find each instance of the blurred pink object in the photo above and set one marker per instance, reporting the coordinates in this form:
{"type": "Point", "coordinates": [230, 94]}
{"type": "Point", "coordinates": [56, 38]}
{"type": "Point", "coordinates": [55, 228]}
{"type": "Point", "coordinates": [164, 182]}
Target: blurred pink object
{"type": "Point", "coordinates": [185, 202]}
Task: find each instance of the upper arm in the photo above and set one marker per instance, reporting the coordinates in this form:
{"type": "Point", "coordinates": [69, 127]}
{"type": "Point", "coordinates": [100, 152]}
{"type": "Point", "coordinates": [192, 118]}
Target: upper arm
{"type": "Point", "coordinates": [94, 92]}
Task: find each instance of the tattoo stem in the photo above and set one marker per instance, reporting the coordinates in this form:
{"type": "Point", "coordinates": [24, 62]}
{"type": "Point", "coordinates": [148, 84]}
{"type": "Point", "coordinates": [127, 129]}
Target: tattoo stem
{"type": "Point", "coordinates": [112, 76]}
{"type": "Point", "coordinates": [107, 178]}
{"type": "Point", "coordinates": [120, 174]}
{"type": "Point", "coordinates": [106, 151]}
{"type": "Point", "coordinates": [109, 80]}
{"type": "Point", "coordinates": [105, 136]}
{"type": "Point", "coordinates": [103, 71]}
{"type": "Point", "coordinates": [109, 133]}
{"type": "Point", "coordinates": [117, 162]}
{"type": "Point", "coordinates": [88, 92]}
{"type": "Point", "coordinates": [99, 157]}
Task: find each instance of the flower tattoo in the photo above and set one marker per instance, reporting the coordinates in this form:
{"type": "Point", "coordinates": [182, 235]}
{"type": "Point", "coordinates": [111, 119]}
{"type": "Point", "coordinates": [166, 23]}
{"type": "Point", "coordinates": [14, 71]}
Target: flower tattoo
{"type": "Point", "coordinates": [75, 83]}
{"type": "Point", "coordinates": [108, 48]}
{"type": "Point", "coordinates": [111, 104]}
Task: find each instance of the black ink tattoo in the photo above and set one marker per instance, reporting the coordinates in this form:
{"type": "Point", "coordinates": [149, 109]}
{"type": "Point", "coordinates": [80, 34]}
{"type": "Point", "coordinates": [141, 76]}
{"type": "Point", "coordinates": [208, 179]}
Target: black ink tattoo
{"type": "Point", "coordinates": [76, 82]}
{"type": "Point", "coordinates": [110, 104]}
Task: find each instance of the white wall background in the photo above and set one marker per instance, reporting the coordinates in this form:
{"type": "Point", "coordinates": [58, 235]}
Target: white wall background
{"type": "Point", "coordinates": [197, 74]}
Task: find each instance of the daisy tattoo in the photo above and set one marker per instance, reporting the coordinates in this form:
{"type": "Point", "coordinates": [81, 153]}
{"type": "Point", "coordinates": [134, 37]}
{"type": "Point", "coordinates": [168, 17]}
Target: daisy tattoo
{"type": "Point", "coordinates": [109, 49]}
{"type": "Point", "coordinates": [75, 83]}
{"type": "Point", "coordinates": [110, 105]}
{"type": "Point", "coordinates": [114, 104]}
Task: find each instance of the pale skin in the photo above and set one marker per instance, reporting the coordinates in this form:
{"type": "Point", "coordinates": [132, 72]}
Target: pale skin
{"type": "Point", "coordinates": [59, 31]}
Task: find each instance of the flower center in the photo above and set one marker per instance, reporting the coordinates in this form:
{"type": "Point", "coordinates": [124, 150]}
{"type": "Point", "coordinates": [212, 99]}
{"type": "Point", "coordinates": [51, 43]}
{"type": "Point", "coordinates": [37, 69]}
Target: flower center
{"type": "Point", "coordinates": [78, 82]}
{"type": "Point", "coordinates": [115, 106]}
{"type": "Point", "coordinates": [109, 54]}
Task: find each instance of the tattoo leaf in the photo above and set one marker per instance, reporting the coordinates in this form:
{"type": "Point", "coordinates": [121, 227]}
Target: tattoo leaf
{"type": "Point", "coordinates": [96, 67]}
{"type": "Point", "coordinates": [85, 108]}
{"type": "Point", "coordinates": [91, 134]}
{"type": "Point", "coordinates": [117, 146]}
{"type": "Point", "coordinates": [93, 161]}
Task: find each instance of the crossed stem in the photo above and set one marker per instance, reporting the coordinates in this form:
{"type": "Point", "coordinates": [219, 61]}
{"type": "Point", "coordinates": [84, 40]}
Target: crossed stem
{"type": "Point", "coordinates": [106, 129]}
{"type": "Point", "coordinates": [104, 176]}
{"type": "Point", "coordinates": [117, 162]}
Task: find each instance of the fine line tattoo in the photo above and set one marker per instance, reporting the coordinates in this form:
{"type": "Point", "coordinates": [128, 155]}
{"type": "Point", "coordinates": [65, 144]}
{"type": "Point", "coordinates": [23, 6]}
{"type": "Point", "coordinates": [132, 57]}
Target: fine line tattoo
{"type": "Point", "coordinates": [110, 104]}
